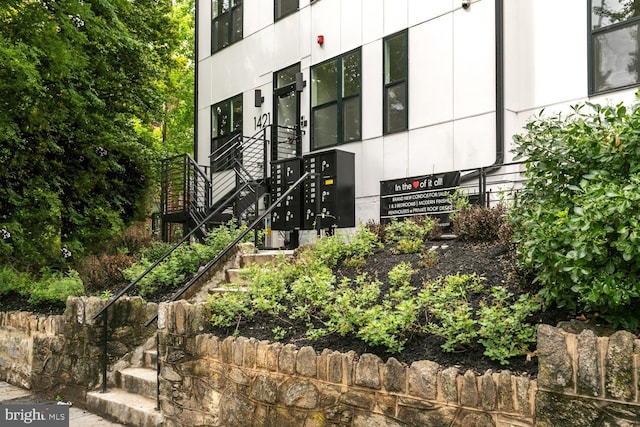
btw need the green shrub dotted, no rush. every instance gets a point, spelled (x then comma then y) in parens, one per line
(504, 331)
(408, 236)
(184, 261)
(449, 313)
(55, 287)
(480, 223)
(576, 221)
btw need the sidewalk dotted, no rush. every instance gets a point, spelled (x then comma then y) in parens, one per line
(12, 395)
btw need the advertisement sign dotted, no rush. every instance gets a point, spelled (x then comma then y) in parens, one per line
(421, 195)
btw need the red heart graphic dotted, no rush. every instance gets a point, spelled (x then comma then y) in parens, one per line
(415, 184)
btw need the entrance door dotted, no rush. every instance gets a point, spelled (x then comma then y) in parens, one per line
(286, 135)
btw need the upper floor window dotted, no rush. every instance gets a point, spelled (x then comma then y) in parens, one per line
(283, 8)
(615, 47)
(335, 101)
(226, 23)
(396, 112)
(226, 123)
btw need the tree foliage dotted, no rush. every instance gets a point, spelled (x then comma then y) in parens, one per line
(577, 221)
(79, 79)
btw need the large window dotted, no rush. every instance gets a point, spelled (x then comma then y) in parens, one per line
(226, 23)
(615, 45)
(283, 8)
(395, 83)
(335, 101)
(226, 123)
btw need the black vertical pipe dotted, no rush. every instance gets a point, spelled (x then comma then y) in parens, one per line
(195, 82)
(105, 316)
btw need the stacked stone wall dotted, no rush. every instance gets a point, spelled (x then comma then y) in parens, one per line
(237, 381)
(62, 355)
(587, 380)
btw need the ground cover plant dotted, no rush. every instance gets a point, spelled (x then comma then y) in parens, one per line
(423, 303)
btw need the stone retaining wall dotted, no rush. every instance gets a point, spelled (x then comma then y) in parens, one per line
(585, 380)
(61, 355)
(206, 381)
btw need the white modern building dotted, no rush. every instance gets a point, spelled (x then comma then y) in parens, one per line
(411, 87)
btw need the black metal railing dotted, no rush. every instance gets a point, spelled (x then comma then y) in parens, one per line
(490, 186)
(104, 311)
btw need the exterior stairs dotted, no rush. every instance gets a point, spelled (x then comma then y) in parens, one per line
(133, 400)
(232, 274)
(132, 397)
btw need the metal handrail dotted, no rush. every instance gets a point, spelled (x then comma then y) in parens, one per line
(104, 310)
(231, 245)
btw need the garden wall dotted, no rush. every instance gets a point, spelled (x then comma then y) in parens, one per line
(584, 379)
(61, 355)
(208, 381)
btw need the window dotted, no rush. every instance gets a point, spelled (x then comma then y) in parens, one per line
(615, 47)
(395, 83)
(226, 123)
(283, 8)
(335, 101)
(226, 23)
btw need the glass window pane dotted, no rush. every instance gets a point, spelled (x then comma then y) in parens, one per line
(236, 34)
(607, 12)
(395, 58)
(221, 119)
(351, 74)
(220, 33)
(236, 105)
(287, 76)
(396, 108)
(324, 80)
(615, 58)
(285, 7)
(218, 7)
(325, 126)
(351, 119)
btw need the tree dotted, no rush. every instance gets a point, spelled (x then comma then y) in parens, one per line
(78, 81)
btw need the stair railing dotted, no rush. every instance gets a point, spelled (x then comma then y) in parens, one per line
(104, 310)
(225, 251)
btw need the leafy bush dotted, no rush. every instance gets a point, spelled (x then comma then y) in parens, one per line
(408, 236)
(49, 287)
(504, 331)
(449, 313)
(479, 223)
(576, 222)
(56, 287)
(99, 273)
(184, 261)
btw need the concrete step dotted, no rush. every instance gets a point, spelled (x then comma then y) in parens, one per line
(233, 275)
(142, 381)
(126, 408)
(150, 359)
(228, 287)
(262, 257)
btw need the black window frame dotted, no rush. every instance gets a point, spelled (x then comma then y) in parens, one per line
(227, 17)
(592, 34)
(235, 128)
(395, 83)
(277, 17)
(340, 100)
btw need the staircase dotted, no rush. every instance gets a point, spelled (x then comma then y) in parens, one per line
(133, 400)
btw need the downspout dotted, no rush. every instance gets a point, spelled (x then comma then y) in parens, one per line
(195, 84)
(499, 66)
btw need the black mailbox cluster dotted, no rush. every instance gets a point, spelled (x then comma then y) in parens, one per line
(327, 198)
